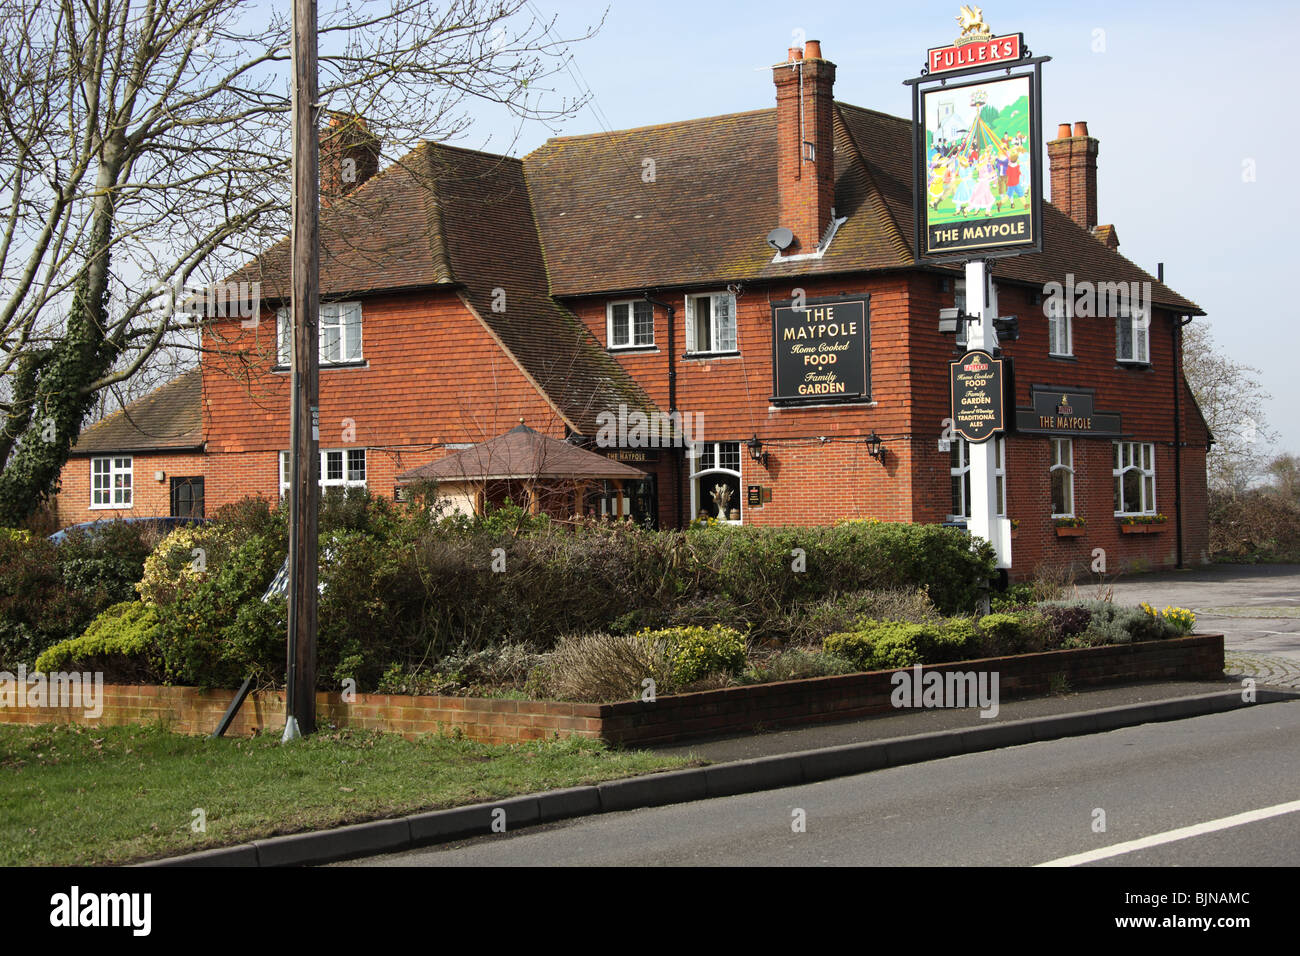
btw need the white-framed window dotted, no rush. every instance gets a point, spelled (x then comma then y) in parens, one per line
(630, 324)
(1134, 469)
(340, 334)
(959, 472)
(1060, 327)
(711, 323)
(1133, 336)
(110, 482)
(1062, 477)
(339, 468)
(716, 465)
(959, 300)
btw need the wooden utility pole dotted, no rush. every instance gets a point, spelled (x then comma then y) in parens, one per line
(300, 703)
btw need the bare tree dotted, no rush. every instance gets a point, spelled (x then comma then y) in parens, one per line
(1232, 400)
(148, 149)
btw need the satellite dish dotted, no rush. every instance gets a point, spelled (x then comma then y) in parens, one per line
(780, 238)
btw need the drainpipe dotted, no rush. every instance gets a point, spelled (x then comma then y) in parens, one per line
(1177, 328)
(672, 396)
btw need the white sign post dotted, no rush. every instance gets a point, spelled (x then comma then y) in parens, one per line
(984, 521)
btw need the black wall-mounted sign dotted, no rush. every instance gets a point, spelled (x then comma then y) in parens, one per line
(978, 385)
(1066, 411)
(754, 495)
(821, 352)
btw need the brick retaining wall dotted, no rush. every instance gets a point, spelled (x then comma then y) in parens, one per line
(670, 718)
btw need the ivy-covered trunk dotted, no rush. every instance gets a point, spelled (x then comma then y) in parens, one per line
(52, 392)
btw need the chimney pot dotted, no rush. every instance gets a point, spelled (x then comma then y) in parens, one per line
(1081, 128)
(812, 49)
(1062, 130)
(794, 54)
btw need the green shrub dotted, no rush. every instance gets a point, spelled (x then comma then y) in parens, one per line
(697, 652)
(122, 642)
(798, 663)
(881, 645)
(954, 640)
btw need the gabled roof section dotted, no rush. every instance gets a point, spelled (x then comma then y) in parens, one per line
(385, 235)
(522, 453)
(459, 218)
(167, 419)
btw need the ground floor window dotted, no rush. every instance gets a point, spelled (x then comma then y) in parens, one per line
(1062, 472)
(715, 481)
(187, 497)
(635, 500)
(345, 468)
(1133, 467)
(110, 482)
(959, 472)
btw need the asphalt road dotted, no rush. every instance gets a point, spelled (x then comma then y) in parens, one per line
(1256, 607)
(1020, 806)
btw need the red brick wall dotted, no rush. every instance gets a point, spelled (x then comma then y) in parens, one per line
(150, 498)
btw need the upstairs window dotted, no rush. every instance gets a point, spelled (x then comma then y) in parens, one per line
(711, 323)
(340, 334)
(1132, 337)
(630, 324)
(1060, 334)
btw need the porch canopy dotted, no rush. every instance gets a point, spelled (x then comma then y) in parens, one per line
(544, 467)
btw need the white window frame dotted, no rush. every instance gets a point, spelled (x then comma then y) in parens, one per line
(1061, 462)
(962, 471)
(347, 457)
(696, 457)
(959, 300)
(1137, 456)
(1137, 356)
(717, 343)
(112, 494)
(333, 315)
(632, 342)
(1066, 321)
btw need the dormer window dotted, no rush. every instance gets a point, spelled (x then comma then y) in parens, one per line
(630, 324)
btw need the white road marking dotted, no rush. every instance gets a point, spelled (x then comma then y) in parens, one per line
(1183, 833)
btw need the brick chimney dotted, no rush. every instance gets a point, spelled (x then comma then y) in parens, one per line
(349, 155)
(804, 143)
(1073, 159)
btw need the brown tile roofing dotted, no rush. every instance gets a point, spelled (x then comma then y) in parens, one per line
(713, 199)
(523, 454)
(168, 418)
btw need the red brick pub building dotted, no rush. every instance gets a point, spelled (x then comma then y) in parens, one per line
(616, 275)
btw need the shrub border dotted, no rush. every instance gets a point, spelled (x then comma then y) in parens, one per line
(668, 719)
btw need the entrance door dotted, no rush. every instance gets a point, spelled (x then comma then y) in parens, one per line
(187, 497)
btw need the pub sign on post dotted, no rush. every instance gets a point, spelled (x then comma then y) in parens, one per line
(978, 396)
(977, 147)
(820, 352)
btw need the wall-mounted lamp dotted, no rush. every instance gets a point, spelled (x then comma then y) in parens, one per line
(875, 446)
(756, 452)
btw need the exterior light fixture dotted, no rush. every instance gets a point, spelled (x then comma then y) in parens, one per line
(756, 451)
(875, 446)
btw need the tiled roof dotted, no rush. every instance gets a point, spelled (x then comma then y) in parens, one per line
(713, 199)
(168, 418)
(524, 454)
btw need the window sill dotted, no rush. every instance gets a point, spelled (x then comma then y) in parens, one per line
(688, 356)
(633, 349)
(111, 507)
(1063, 356)
(1126, 363)
(327, 366)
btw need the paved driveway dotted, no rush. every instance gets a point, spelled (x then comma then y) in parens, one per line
(1257, 607)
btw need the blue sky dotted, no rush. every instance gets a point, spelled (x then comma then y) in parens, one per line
(1184, 98)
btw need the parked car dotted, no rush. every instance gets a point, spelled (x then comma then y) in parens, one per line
(163, 524)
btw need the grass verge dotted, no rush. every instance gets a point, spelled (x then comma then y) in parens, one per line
(112, 795)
